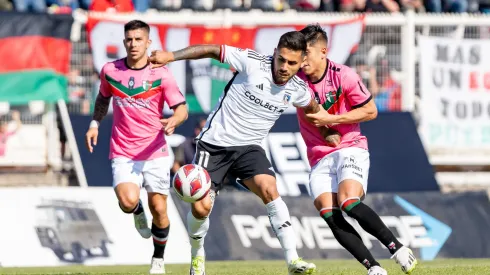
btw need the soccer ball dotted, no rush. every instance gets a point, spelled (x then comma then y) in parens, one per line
(191, 183)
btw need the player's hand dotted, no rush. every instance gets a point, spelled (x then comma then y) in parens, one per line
(169, 125)
(160, 58)
(322, 118)
(91, 138)
(331, 136)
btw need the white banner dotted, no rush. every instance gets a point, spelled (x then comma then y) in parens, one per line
(23, 146)
(203, 81)
(455, 94)
(71, 225)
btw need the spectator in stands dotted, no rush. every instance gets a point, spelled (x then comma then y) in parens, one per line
(415, 5)
(307, 5)
(141, 5)
(112, 5)
(235, 5)
(185, 152)
(67, 6)
(367, 74)
(388, 96)
(377, 5)
(30, 5)
(5, 132)
(438, 6)
(269, 5)
(5, 5)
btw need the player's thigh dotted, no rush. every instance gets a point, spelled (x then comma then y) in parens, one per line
(127, 180)
(255, 172)
(323, 179)
(156, 175)
(352, 172)
(216, 160)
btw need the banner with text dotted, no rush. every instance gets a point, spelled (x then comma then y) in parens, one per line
(286, 150)
(455, 92)
(71, 225)
(202, 81)
(240, 228)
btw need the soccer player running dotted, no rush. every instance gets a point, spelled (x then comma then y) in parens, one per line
(138, 150)
(261, 89)
(338, 179)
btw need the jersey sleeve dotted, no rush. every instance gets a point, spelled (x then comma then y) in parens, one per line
(356, 93)
(235, 57)
(304, 97)
(104, 88)
(171, 92)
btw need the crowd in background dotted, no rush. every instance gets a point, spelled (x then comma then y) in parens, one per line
(436, 6)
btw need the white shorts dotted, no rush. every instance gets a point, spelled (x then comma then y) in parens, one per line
(331, 170)
(153, 174)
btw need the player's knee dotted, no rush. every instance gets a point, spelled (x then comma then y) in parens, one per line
(159, 210)
(201, 209)
(128, 201)
(326, 200)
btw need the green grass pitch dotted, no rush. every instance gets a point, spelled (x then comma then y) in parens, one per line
(342, 267)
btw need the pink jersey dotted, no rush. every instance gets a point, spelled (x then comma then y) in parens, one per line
(138, 101)
(339, 90)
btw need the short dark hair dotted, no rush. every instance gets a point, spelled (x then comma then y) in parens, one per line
(135, 25)
(314, 33)
(293, 40)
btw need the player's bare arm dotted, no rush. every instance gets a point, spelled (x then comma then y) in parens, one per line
(100, 111)
(180, 115)
(364, 113)
(161, 58)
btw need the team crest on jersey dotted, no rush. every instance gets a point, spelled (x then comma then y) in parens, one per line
(131, 83)
(331, 96)
(147, 84)
(286, 99)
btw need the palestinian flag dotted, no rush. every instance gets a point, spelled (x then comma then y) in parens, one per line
(35, 51)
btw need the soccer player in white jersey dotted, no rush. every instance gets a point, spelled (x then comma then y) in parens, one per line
(339, 175)
(139, 152)
(260, 91)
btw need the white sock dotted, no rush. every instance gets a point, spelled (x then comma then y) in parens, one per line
(281, 225)
(197, 230)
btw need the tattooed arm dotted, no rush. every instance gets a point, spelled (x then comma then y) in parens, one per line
(161, 58)
(198, 52)
(100, 111)
(101, 107)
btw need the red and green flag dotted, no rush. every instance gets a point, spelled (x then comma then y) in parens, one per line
(35, 52)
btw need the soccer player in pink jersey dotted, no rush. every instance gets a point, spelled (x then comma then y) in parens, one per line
(338, 179)
(138, 150)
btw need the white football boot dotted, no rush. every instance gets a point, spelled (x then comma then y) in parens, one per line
(157, 266)
(141, 224)
(405, 258)
(377, 270)
(299, 266)
(197, 266)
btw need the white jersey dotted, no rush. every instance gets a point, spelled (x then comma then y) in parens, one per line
(251, 102)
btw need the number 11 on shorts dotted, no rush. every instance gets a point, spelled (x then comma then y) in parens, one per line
(203, 159)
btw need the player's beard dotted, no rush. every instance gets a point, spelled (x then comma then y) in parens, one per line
(282, 78)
